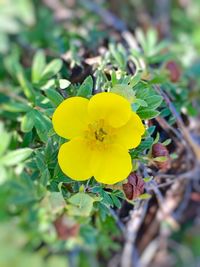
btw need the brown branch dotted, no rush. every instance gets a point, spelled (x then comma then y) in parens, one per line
(193, 145)
(133, 226)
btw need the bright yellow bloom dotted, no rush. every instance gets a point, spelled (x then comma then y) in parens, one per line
(101, 131)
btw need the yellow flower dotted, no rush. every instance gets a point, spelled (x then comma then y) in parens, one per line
(101, 131)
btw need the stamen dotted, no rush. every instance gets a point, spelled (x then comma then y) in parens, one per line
(99, 135)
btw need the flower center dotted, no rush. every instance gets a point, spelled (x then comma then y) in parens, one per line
(99, 135)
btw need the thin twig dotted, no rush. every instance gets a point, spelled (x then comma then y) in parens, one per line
(178, 214)
(190, 175)
(167, 127)
(194, 146)
(133, 226)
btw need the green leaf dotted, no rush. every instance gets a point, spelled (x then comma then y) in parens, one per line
(151, 40)
(145, 196)
(5, 137)
(147, 114)
(15, 157)
(173, 156)
(167, 142)
(135, 80)
(40, 161)
(114, 78)
(142, 91)
(9, 24)
(25, 190)
(85, 90)
(26, 12)
(63, 83)
(151, 130)
(141, 102)
(157, 138)
(4, 43)
(119, 54)
(141, 39)
(38, 66)
(116, 201)
(148, 179)
(42, 124)
(106, 198)
(57, 202)
(27, 122)
(4, 175)
(25, 85)
(124, 90)
(54, 96)
(154, 101)
(82, 205)
(160, 159)
(16, 107)
(146, 144)
(52, 69)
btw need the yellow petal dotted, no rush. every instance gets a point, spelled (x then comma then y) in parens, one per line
(112, 165)
(113, 108)
(130, 134)
(70, 117)
(74, 158)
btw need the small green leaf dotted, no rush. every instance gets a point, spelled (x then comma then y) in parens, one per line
(4, 175)
(124, 90)
(154, 101)
(85, 90)
(57, 202)
(38, 66)
(25, 85)
(173, 156)
(146, 144)
(42, 124)
(141, 102)
(27, 122)
(52, 69)
(15, 157)
(148, 114)
(157, 138)
(167, 142)
(16, 107)
(151, 129)
(160, 159)
(4, 43)
(82, 188)
(135, 80)
(106, 198)
(145, 196)
(63, 83)
(114, 78)
(5, 137)
(119, 55)
(81, 204)
(54, 96)
(135, 107)
(116, 201)
(147, 179)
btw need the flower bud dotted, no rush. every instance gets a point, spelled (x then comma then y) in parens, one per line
(159, 151)
(174, 71)
(134, 187)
